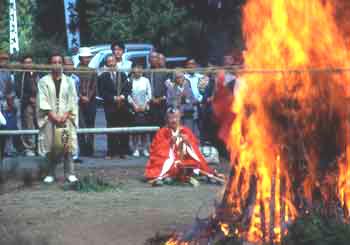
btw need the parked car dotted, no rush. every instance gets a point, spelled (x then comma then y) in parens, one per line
(141, 57)
(176, 61)
(129, 47)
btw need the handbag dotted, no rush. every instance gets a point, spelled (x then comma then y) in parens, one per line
(62, 141)
(62, 138)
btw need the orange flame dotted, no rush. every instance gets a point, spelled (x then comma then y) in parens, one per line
(174, 241)
(225, 228)
(298, 43)
(285, 35)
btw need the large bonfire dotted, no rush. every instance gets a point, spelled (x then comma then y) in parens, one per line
(289, 141)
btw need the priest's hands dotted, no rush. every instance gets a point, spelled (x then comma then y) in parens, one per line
(173, 140)
(58, 120)
(185, 138)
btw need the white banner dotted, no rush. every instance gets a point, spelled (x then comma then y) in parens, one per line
(14, 43)
(72, 25)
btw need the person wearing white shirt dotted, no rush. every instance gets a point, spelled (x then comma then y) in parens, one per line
(141, 94)
(118, 51)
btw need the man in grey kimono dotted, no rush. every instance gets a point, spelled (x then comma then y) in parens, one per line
(180, 95)
(56, 109)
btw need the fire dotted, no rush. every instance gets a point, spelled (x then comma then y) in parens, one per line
(289, 140)
(174, 241)
(225, 228)
(297, 100)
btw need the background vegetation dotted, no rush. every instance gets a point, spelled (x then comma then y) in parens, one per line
(175, 27)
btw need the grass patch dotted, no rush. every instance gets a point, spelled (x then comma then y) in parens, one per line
(92, 183)
(312, 229)
(315, 229)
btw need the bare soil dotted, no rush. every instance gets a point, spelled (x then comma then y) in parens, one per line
(129, 215)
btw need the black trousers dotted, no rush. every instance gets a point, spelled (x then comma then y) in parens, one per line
(157, 114)
(87, 116)
(117, 144)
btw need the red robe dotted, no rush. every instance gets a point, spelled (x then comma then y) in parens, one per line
(162, 154)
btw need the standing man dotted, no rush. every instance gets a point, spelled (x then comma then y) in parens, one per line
(28, 83)
(87, 103)
(8, 105)
(194, 78)
(114, 89)
(162, 60)
(5, 83)
(121, 64)
(68, 70)
(179, 95)
(56, 110)
(158, 87)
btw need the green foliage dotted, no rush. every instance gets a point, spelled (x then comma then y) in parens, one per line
(4, 23)
(91, 183)
(156, 21)
(25, 13)
(43, 47)
(317, 230)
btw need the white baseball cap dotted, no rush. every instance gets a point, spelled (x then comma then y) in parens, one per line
(84, 52)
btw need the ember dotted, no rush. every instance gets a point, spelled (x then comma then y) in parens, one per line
(289, 142)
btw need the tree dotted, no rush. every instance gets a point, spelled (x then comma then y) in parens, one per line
(25, 13)
(159, 22)
(25, 18)
(220, 26)
(4, 36)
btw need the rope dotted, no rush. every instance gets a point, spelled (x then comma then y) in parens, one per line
(236, 68)
(121, 130)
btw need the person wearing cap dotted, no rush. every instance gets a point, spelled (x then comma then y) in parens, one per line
(87, 102)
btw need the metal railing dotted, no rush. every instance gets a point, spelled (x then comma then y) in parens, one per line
(120, 130)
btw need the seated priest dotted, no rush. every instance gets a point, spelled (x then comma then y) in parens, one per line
(175, 155)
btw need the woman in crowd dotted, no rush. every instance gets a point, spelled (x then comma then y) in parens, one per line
(139, 99)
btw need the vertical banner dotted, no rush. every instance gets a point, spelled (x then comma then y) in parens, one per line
(72, 25)
(14, 43)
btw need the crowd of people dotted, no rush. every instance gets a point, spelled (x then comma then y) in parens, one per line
(131, 97)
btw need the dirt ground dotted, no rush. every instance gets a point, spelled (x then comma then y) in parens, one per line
(128, 215)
